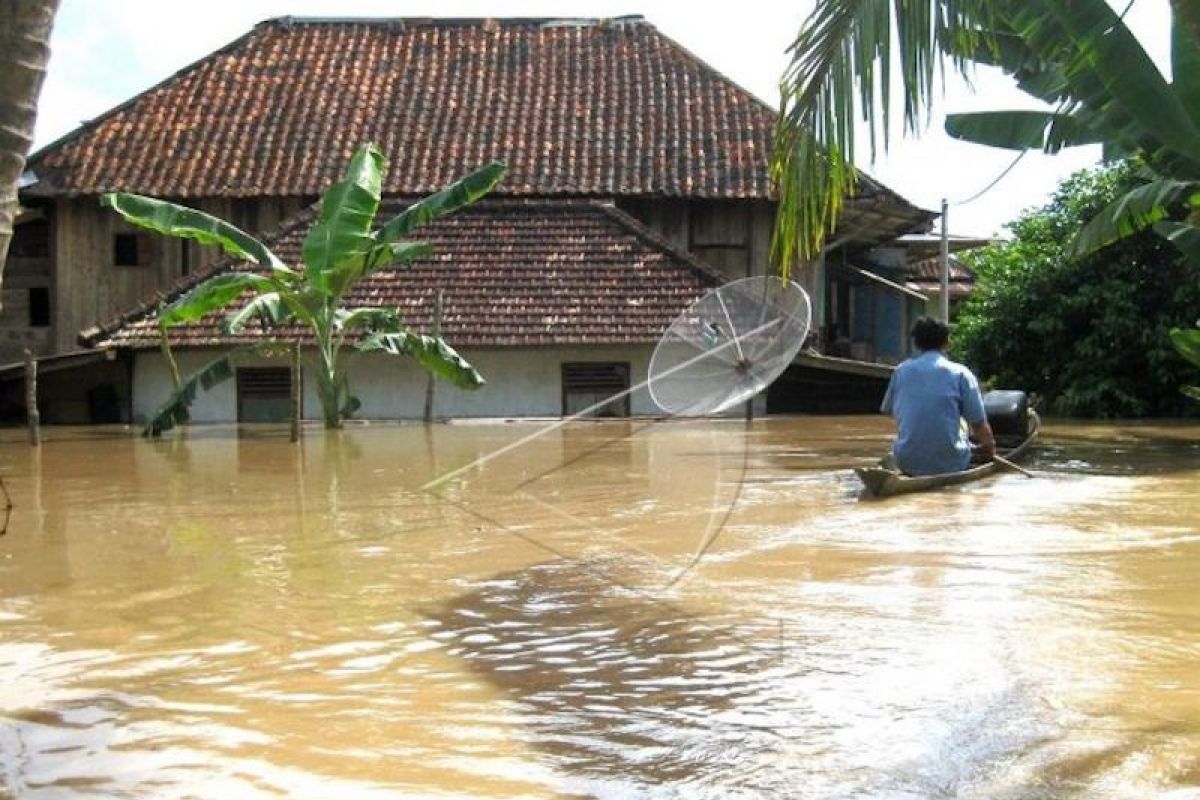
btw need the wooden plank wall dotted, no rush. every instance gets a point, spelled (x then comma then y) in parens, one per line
(89, 288)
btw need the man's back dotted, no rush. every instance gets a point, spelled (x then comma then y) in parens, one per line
(928, 395)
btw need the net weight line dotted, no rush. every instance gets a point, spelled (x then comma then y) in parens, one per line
(736, 340)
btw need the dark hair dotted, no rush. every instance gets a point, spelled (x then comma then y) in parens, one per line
(930, 334)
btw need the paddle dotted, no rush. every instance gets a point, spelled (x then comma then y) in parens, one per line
(1011, 465)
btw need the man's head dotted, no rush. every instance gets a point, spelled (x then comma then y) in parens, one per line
(930, 334)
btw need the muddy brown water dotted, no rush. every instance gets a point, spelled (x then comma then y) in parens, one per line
(613, 610)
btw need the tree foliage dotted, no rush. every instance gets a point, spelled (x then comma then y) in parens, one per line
(1091, 334)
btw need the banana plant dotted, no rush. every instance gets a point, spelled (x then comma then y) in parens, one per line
(343, 247)
(1077, 57)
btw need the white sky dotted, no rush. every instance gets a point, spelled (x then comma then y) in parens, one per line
(105, 51)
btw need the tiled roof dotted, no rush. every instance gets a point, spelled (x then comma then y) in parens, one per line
(512, 273)
(926, 275)
(576, 107)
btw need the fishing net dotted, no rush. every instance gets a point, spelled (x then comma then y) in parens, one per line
(728, 346)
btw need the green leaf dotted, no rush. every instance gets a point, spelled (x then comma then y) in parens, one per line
(431, 352)
(1192, 392)
(1021, 130)
(1187, 342)
(188, 223)
(1184, 236)
(386, 254)
(337, 247)
(1108, 72)
(268, 307)
(214, 293)
(459, 194)
(839, 71)
(380, 318)
(174, 410)
(1132, 212)
(1185, 66)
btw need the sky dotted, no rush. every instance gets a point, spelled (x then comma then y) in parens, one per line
(106, 51)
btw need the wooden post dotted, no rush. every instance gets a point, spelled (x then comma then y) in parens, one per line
(31, 409)
(297, 390)
(437, 331)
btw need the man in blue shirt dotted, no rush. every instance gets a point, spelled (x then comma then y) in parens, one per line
(927, 396)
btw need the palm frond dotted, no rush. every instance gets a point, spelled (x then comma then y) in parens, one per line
(840, 67)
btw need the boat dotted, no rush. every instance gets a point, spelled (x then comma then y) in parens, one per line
(886, 480)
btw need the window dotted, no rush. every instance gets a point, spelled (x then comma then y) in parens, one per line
(587, 383)
(39, 307)
(264, 394)
(126, 250)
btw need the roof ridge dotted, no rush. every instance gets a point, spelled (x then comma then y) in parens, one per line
(623, 19)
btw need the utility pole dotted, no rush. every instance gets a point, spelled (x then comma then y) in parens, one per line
(944, 298)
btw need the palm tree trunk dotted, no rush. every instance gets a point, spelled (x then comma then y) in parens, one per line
(24, 52)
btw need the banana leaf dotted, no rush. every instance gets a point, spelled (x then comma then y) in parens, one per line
(1184, 236)
(214, 293)
(431, 352)
(1187, 342)
(1185, 67)
(269, 307)
(388, 253)
(341, 241)
(1137, 209)
(457, 195)
(1021, 130)
(1109, 71)
(174, 409)
(188, 223)
(348, 319)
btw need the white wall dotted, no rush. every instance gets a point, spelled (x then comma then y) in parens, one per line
(520, 382)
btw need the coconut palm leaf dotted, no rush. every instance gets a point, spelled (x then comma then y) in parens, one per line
(844, 54)
(431, 352)
(211, 295)
(188, 223)
(341, 241)
(1134, 211)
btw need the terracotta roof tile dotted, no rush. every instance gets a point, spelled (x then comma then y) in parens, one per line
(582, 107)
(512, 273)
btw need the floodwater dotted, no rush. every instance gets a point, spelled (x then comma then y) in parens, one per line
(612, 610)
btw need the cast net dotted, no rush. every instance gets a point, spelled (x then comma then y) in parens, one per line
(728, 346)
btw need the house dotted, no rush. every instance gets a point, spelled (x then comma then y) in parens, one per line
(606, 112)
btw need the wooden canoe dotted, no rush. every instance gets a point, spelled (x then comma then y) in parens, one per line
(885, 480)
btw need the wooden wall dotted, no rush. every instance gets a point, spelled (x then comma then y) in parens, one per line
(732, 236)
(27, 268)
(87, 287)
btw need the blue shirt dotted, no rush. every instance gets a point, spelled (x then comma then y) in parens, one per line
(927, 396)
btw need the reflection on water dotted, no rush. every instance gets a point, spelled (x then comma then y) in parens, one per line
(612, 610)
